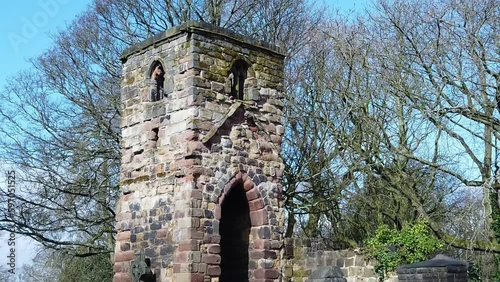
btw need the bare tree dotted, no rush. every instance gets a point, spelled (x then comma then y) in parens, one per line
(60, 122)
(7, 276)
(376, 136)
(373, 105)
(346, 127)
(60, 119)
(46, 267)
(448, 54)
(51, 265)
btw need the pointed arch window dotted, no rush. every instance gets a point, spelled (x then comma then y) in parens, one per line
(157, 75)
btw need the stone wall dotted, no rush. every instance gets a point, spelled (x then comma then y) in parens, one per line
(183, 155)
(306, 255)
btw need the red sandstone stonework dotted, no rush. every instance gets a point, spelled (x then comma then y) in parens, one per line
(211, 258)
(259, 217)
(124, 235)
(124, 256)
(213, 270)
(214, 249)
(184, 154)
(266, 273)
(256, 204)
(253, 194)
(122, 277)
(188, 245)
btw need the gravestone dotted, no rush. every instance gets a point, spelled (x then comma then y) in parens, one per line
(327, 274)
(440, 268)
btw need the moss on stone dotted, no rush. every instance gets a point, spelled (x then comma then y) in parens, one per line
(300, 272)
(213, 77)
(258, 67)
(127, 112)
(230, 52)
(216, 54)
(136, 180)
(203, 65)
(218, 70)
(130, 80)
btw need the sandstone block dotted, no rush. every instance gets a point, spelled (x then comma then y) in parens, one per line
(211, 258)
(253, 194)
(124, 256)
(122, 277)
(259, 217)
(213, 270)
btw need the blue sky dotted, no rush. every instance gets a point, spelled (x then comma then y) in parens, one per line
(25, 29)
(348, 5)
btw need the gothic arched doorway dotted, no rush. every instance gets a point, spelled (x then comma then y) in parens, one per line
(235, 232)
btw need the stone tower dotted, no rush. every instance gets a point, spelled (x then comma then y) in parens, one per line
(201, 168)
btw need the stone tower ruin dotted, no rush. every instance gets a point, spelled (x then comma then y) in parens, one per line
(201, 168)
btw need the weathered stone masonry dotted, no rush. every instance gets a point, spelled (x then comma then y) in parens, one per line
(201, 166)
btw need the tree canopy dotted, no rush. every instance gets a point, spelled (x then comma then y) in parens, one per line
(392, 117)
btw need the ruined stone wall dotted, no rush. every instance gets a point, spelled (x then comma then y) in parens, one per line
(306, 255)
(183, 155)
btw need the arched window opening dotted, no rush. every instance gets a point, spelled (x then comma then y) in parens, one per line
(235, 236)
(158, 77)
(237, 76)
(154, 136)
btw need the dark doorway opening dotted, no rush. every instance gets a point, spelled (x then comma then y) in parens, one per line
(235, 234)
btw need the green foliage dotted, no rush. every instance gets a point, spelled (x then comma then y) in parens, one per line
(87, 269)
(391, 247)
(474, 274)
(496, 274)
(495, 215)
(495, 226)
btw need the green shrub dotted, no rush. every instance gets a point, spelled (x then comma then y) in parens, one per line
(392, 248)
